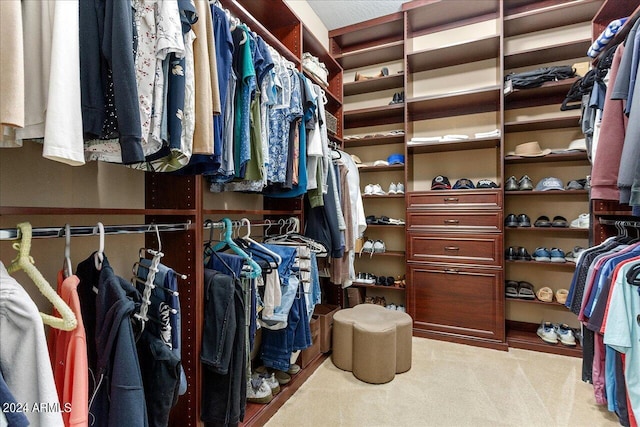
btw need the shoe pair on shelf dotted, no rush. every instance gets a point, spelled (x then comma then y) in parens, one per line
(396, 188)
(521, 290)
(517, 253)
(384, 71)
(384, 220)
(398, 98)
(376, 300)
(374, 190)
(549, 255)
(581, 222)
(522, 184)
(399, 307)
(373, 247)
(521, 220)
(558, 221)
(552, 333)
(545, 294)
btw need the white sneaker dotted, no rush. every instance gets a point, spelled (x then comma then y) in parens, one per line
(377, 190)
(367, 248)
(379, 247)
(400, 188)
(392, 189)
(368, 190)
(258, 391)
(547, 332)
(581, 222)
(401, 308)
(270, 379)
(565, 334)
(391, 306)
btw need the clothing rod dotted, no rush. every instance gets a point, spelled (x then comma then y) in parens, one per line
(635, 224)
(262, 223)
(92, 230)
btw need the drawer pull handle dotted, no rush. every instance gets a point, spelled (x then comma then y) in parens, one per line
(450, 199)
(451, 248)
(451, 271)
(451, 221)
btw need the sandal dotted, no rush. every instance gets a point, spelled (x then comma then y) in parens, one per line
(542, 221)
(545, 294)
(511, 289)
(559, 221)
(525, 291)
(561, 295)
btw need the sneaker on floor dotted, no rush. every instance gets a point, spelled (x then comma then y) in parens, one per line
(293, 369)
(581, 222)
(547, 332)
(258, 391)
(392, 189)
(565, 334)
(270, 379)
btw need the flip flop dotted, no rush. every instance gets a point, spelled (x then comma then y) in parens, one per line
(559, 221)
(511, 289)
(542, 221)
(525, 291)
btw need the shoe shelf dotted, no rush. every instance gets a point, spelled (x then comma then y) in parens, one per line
(521, 21)
(369, 141)
(382, 115)
(385, 196)
(569, 121)
(549, 230)
(540, 264)
(376, 84)
(548, 93)
(454, 54)
(553, 304)
(442, 146)
(371, 55)
(385, 253)
(554, 157)
(552, 53)
(380, 168)
(451, 104)
(534, 193)
(372, 286)
(523, 335)
(399, 226)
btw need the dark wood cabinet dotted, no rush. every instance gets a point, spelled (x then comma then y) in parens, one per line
(478, 249)
(462, 221)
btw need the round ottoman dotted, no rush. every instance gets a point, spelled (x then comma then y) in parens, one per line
(372, 342)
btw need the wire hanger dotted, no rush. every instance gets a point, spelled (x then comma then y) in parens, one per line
(67, 267)
(25, 262)
(99, 256)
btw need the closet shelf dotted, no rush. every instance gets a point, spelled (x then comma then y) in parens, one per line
(468, 144)
(382, 140)
(454, 54)
(554, 304)
(386, 196)
(551, 193)
(387, 253)
(562, 230)
(465, 102)
(545, 265)
(523, 335)
(392, 81)
(543, 124)
(558, 52)
(380, 169)
(369, 286)
(430, 16)
(374, 32)
(28, 210)
(251, 212)
(383, 115)
(556, 15)
(548, 93)
(393, 51)
(557, 157)
(399, 227)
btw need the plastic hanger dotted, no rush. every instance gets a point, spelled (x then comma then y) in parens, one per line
(25, 262)
(99, 256)
(67, 267)
(256, 271)
(247, 237)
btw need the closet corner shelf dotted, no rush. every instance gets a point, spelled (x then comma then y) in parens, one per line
(551, 193)
(548, 93)
(370, 286)
(29, 210)
(523, 335)
(382, 140)
(382, 115)
(545, 265)
(373, 32)
(386, 253)
(568, 121)
(393, 81)
(380, 169)
(388, 52)
(460, 103)
(467, 144)
(554, 157)
(454, 54)
(551, 53)
(552, 16)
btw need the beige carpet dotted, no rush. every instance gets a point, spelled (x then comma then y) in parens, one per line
(452, 385)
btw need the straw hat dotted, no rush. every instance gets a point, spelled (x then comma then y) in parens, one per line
(529, 149)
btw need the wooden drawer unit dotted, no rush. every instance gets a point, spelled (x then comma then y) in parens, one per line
(477, 249)
(478, 221)
(457, 301)
(447, 200)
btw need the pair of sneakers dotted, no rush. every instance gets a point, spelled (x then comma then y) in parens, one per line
(546, 255)
(552, 333)
(373, 247)
(396, 188)
(374, 190)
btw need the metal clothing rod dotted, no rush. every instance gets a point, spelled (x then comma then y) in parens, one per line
(90, 230)
(263, 223)
(635, 224)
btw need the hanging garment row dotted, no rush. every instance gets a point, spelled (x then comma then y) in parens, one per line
(274, 300)
(605, 295)
(113, 352)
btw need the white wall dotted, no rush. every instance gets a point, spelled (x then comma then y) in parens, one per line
(311, 20)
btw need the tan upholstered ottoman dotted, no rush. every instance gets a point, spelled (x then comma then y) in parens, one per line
(372, 342)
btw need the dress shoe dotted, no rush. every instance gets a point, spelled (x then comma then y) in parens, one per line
(511, 184)
(523, 255)
(396, 99)
(524, 221)
(525, 183)
(511, 254)
(511, 221)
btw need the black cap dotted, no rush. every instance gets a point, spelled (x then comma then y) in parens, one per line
(440, 182)
(463, 184)
(486, 183)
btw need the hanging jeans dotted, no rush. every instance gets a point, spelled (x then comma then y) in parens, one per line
(224, 386)
(289, 284)
(278, 345)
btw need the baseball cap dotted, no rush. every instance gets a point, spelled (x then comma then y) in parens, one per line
(440, 182)
(396, 159)
(550, 183)
(486, 183)
(463, 184)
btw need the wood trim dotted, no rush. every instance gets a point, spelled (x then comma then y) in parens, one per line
(34, 210)
(580, 156)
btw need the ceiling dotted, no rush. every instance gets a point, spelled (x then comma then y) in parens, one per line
(339, 13)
